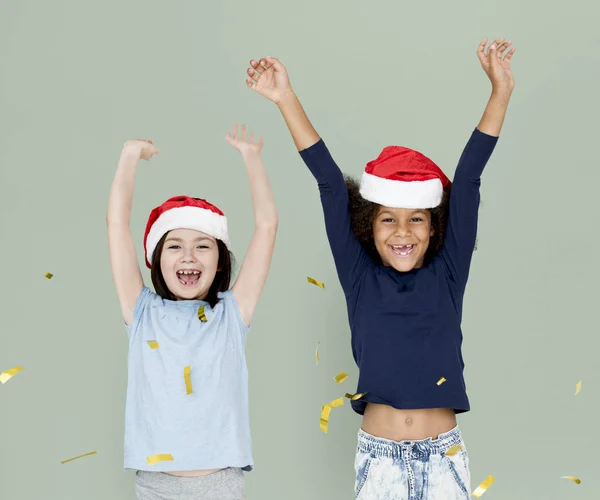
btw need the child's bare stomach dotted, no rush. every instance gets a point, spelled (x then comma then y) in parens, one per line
(193, 473)
(411, 425)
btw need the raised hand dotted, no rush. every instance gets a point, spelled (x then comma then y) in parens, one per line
(140, 148)
(269, 78)
(496, 63)
(241, 143)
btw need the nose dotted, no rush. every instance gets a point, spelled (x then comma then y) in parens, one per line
(403, 230)
(189, 255)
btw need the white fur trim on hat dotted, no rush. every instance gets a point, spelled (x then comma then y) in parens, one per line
(398, 194)
(200, 219)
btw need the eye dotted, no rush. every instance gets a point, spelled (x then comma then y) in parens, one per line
(416, 219)
(174, 246)
(388, 219)
(203, 246)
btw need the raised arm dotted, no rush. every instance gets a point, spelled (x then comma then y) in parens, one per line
(123, 259)
(270, 79)
(461, 230)
(255, 268)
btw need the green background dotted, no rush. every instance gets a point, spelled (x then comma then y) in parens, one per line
(79, 78)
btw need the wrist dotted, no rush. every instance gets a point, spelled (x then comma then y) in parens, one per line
(501, 92)
(129, 156)
(250, 154)
(287, 97)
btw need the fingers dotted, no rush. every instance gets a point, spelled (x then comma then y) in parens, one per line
(253, 77)
(481, 47)
(510, 54)
(243, 138)
(274, 62)
(481, 51)
(502, 48)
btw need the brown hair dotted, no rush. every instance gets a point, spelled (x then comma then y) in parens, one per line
(363, 212)
(219, 284)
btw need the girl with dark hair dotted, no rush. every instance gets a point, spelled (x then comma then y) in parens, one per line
(187, 431)
(402, 241)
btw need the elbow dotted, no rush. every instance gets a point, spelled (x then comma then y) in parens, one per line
(270, 224)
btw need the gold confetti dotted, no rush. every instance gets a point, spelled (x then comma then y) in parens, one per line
(340, 377)
(153, 344)
(441, 381)
(188, 381)
(154, 459)
(576, 480)
(8, 374)
(356, 396)
(326, 410)
(317, 353)
(49, 275)
(485, 484)
(80, 456)
(315, 282)
(453, 450)
(578, 388)
(336, 402)
(201, 315)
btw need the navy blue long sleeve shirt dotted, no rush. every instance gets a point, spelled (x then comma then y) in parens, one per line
(406, 326)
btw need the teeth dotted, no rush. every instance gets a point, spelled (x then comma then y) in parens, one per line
(185, 271)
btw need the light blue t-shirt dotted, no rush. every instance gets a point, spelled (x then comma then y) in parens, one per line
(209, 428)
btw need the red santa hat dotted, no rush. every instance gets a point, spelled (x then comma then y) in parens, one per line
(184, 212)
(403, 178)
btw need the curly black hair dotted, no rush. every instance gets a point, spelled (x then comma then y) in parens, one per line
(363, 213)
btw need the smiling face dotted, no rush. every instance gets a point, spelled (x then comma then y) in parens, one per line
(401, 236)
(189, 262)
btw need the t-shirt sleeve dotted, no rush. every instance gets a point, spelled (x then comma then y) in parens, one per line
(233, 313)
(461, 227)
(349, 256)
(143, 301)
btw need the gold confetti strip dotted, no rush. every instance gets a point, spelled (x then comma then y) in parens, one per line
(340, 377)
(201, 315)
(326, 410)
(153, 344)
(8, 374)
(453, 450)
(576, 480)
(49, 275)
(485, 484)
(154, 459)
(80, 456)
(188, 381)
(315, 282)
(441, 381)
(317, 353)
(336, 402)
(356, 396)
(578, 388)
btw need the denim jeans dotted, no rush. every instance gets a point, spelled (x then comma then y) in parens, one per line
(412, 470)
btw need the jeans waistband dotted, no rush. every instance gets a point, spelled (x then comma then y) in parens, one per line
(382, 447)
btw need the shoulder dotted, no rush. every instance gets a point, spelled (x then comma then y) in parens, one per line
(228, 302)
(146, 299)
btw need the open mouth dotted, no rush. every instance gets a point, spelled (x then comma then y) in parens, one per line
(188, 277)
(403, 250)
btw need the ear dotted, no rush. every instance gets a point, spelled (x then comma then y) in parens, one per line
(432, 232)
